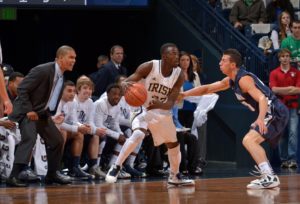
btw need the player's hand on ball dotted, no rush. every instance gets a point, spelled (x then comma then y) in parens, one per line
(126, 84)
(135, 94)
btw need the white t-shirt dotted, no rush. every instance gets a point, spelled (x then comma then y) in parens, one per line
(107, 116)
(85, 113)
(69, 110)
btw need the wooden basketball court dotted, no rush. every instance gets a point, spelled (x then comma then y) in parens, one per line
(221, 190)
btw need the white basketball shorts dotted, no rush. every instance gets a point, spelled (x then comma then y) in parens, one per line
(160, 125)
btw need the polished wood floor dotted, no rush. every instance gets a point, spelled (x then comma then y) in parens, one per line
(214, 190)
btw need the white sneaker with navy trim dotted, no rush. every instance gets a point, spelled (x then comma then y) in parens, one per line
(176, 180)
(112, 174)
(266, 181)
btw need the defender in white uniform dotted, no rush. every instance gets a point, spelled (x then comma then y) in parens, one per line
(163, 79)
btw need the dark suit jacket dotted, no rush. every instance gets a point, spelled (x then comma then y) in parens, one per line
(34, 91)
(105, 76)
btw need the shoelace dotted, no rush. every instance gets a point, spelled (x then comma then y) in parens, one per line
(257, 172)
(181, 176)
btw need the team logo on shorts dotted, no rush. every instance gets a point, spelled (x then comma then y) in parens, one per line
(42, 140)
(5, 147)
(44, 158)
(2, 137)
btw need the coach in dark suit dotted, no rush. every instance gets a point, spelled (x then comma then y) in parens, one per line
(38, 96)
(109, 72)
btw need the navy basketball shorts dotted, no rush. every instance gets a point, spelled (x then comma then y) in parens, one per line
(276, 120)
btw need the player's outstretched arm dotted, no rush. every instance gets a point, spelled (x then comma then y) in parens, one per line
(207, 89)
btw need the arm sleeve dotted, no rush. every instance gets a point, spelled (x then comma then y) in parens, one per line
(272, 80)
(274, 38)
(28, 85)
(263, 13)
(70, 123)
(233, 16)
(125, 111)
(90, 117)
(196, 80)
(117, 121)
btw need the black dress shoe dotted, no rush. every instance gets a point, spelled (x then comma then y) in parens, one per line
(15, 182)
(58, 178)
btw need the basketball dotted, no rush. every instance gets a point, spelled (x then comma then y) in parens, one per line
(136, 95)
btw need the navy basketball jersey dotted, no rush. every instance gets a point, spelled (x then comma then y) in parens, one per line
(245, 98)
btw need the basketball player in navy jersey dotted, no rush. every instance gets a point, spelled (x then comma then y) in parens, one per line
(250, 91)
(163, 80)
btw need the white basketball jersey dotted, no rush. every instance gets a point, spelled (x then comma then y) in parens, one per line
(159, 87)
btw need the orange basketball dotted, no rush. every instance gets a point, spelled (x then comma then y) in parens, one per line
(136, 95)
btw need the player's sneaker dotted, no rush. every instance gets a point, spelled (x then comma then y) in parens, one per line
(97, 172)
(176, 180)
(28, 175)
(285, 164)
(134, 172)
(112, 174)
(266, 181)
(293, 164)
(123, 174)
(77, 173)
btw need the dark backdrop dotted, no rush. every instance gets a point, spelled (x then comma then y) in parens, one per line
(36, 34)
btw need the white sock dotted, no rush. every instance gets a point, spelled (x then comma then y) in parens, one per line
(129, 146)
(113, 159)
(132, 157)
(265, 167)
(174, 156)
(101, 147)
(130, 160)
(118, 147)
